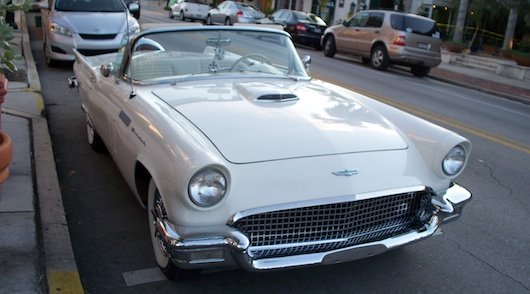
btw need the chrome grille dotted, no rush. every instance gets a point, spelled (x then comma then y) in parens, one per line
(92, 52)
(332, 226)
(98, 36)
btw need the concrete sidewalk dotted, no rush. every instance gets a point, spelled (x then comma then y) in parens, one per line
(35, 249)
(485, 81)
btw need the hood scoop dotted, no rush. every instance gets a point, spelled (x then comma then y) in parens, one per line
(265, 93)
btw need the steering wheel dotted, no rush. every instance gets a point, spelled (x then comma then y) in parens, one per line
(251, 56)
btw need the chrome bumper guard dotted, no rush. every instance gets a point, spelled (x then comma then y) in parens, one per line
(228, 247)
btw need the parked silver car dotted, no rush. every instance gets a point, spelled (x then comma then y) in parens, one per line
(230, 12)
(382, 38)
(91, 26)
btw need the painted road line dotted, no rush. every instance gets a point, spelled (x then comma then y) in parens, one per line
(143, 276)
(431, 116)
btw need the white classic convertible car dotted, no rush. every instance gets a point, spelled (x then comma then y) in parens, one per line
(242, 159)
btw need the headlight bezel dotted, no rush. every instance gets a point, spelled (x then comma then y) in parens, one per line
(454, 161)
(60, 29)
(214, 180)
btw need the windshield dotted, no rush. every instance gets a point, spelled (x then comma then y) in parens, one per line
(90, 5)
(170, 55)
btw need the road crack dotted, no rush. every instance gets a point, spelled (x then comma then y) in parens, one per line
(489, 265)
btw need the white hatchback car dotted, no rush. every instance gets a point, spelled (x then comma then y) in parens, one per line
(91, 26)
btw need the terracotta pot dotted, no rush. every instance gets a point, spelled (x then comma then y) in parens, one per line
(454, 47)
(3, 93)
(521, 60)
(6, 155)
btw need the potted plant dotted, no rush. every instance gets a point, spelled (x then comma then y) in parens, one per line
(521, 58)
(454, 46)
(7, 58)
(521, 54)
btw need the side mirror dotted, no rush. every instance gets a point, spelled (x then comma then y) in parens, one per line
(106, 69)
(134, 7)
(306, 60)
(72, 82)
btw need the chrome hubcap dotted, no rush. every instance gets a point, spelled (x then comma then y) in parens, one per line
(158, 213)
(377, 57)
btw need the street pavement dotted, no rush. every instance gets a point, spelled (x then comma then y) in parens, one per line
(36, 255)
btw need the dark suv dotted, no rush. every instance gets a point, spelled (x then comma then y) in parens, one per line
(382, 38)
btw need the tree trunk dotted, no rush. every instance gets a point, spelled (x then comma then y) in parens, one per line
(510, 29)
(460, 21)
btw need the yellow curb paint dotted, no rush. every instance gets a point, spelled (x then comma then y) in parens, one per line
(40, 104)
(65, 283)
(431, 116)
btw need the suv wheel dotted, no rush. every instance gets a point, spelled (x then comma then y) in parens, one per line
(329, 47)
(420, 70)
(379, 58)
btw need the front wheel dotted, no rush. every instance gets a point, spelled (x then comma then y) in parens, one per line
(420, 70)
(329, 47)
(379, 58)
(228, 22)
(94, 140)
(156, 210)
(50, 62)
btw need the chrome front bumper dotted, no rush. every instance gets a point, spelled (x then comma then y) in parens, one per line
(227, 247)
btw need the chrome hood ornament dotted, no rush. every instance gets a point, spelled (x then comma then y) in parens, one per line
(346, 172)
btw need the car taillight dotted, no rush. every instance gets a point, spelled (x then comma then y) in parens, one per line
(399, 40)
(239, 13)
(300, 27)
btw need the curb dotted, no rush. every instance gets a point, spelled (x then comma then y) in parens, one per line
(59, 262)
(487, 91)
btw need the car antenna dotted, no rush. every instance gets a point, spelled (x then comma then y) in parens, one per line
(133, 93)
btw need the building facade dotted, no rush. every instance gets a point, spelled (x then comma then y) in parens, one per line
(335, 11)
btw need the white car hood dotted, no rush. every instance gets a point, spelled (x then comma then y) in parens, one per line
(247, 123)
(93, 22)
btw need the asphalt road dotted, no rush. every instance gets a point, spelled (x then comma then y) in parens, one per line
(485, 251)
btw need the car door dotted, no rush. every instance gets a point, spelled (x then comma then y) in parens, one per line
(347, 36)
(121, 131)
(367, 34)
(217, 14)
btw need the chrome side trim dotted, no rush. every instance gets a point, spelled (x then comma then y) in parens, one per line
(233, 239)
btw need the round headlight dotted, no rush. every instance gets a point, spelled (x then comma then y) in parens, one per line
(207, 187)
(454, 161)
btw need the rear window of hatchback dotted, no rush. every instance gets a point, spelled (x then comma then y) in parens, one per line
(414, 24)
